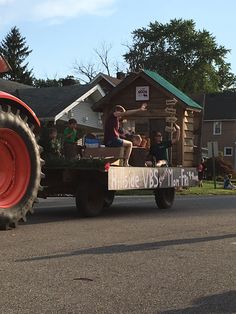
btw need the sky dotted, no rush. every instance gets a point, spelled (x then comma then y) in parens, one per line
(62, 33)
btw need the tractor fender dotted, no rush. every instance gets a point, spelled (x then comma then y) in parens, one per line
(19, 103)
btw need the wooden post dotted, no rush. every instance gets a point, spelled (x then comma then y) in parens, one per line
(170, 103)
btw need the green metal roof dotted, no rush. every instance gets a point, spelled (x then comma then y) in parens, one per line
(172, 89)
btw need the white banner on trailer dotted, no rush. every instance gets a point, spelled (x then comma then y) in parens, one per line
(133, 178)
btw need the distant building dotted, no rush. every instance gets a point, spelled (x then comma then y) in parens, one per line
(219, 124)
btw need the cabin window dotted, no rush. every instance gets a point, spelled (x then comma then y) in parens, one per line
(217, 128)
(228, 151)
(141, 128)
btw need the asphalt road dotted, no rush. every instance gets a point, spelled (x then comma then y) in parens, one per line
(132, 259)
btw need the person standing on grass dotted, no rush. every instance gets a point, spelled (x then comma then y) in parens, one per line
(201, 172)
(111, 131)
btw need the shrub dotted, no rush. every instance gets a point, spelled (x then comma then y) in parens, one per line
(222, 167)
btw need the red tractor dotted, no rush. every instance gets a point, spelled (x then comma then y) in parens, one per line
(20, 162)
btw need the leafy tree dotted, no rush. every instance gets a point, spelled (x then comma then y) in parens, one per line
(188, 58)
(46, 83)
(14, 48)
(68, 80)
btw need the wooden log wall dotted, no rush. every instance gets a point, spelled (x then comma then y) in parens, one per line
(188, 138)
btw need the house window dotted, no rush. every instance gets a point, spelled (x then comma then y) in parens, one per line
(228, 151)
(217, 128)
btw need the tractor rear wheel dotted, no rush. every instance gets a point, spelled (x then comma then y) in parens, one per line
(20, 168)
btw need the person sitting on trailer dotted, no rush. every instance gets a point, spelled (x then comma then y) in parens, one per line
(136, 140)
(50, 142)
(144, 142)
(158, 155)
(111, 131)
(70, 140)
(54, 145)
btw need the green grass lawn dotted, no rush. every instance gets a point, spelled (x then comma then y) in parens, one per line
(207, 189)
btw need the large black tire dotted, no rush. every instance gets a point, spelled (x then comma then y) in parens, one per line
(89, 199)
(164, 197)
(17, 139)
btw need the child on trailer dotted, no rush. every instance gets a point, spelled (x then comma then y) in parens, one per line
(158, 150)
(112, 137)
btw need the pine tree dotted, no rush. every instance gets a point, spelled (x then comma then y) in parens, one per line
(15, 50)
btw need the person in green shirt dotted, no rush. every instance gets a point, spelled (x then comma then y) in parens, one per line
(70, 137)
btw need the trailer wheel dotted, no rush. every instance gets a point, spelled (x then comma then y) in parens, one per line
(20, 168)
(89, 199)
(164, 197)
(108, 198)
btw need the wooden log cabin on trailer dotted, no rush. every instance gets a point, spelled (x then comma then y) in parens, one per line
(166, 105)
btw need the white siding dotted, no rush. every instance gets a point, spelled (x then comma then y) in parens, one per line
(85, 116)
(83, 112)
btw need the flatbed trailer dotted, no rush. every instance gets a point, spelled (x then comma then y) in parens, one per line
(94, 187)
(92, 182)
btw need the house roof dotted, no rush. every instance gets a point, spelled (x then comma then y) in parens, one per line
(220, 106)
(48, 102)
(157, 79)
(172, 89)
(11, 86)
(105, 100)
(110, 79)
